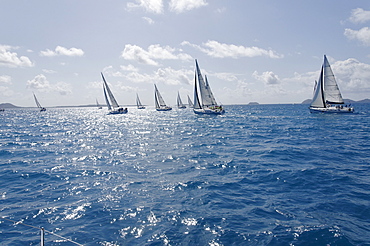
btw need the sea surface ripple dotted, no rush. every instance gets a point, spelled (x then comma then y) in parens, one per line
(257, 175)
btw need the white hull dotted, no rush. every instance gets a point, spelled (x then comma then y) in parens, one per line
(332, 109)
(165, 108)
(119, 111)
(216, 110)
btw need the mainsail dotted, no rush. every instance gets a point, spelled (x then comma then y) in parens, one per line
(138, 102)
(205, 90)
(159, 102)
(113, 103)
(179, 101)
(331, 90)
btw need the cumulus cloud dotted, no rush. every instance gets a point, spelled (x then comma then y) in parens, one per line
(154, 52)
(352, 75)
(180, 6)
(11, 59)
(5, 79)
(268, 77)
(40, 83)
(359, 16)
(362, 35)
(61, 51)
(152, 6)
(221, 50)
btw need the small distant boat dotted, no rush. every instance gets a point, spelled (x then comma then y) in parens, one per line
(138, 102)
(38, 104)
(98, 105)
(160, 105)
(190, 103)
(327, 97)
(204, 101)
(179, 101)
(112, 104)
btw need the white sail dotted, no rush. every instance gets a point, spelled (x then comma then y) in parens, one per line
(138, 102)
(106, 99)
(331, 90)
(159, 102)
(190, 103)
(205, 91)
(318, 97)
(113, 101)
(213, 100)
(179, 101)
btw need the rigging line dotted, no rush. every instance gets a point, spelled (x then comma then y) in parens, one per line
(21, 223)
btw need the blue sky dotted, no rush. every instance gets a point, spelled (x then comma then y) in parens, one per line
(262, 51)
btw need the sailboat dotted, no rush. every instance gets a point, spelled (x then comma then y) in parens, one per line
(160, 105)
(98, 105)
(179, 101)
(112, 104)
(190, 103)
(38, 104)
(327, 97)
(204, 101)
(138, 102)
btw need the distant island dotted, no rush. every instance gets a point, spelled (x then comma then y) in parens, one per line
(253, 103)
(8, 105)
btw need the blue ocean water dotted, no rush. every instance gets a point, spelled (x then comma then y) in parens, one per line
(257, 175)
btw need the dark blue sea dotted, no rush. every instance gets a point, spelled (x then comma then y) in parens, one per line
(257, 175)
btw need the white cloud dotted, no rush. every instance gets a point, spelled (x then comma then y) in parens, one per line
(362, 35)
(220, 50)
(154, 52)
(268, 77)
(149, 20)
(6, 92)
(352, 75)
(61, 51)
(180, 6)
(153, 6)
(39, 83)
(11, 59)
(359, 16)
(5, 79)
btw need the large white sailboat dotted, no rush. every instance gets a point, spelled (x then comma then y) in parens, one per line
(179, 101)
(204, 101)
(160, 105)
(138, 102)
(38, 104)
(327, 97)
(112, 104)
